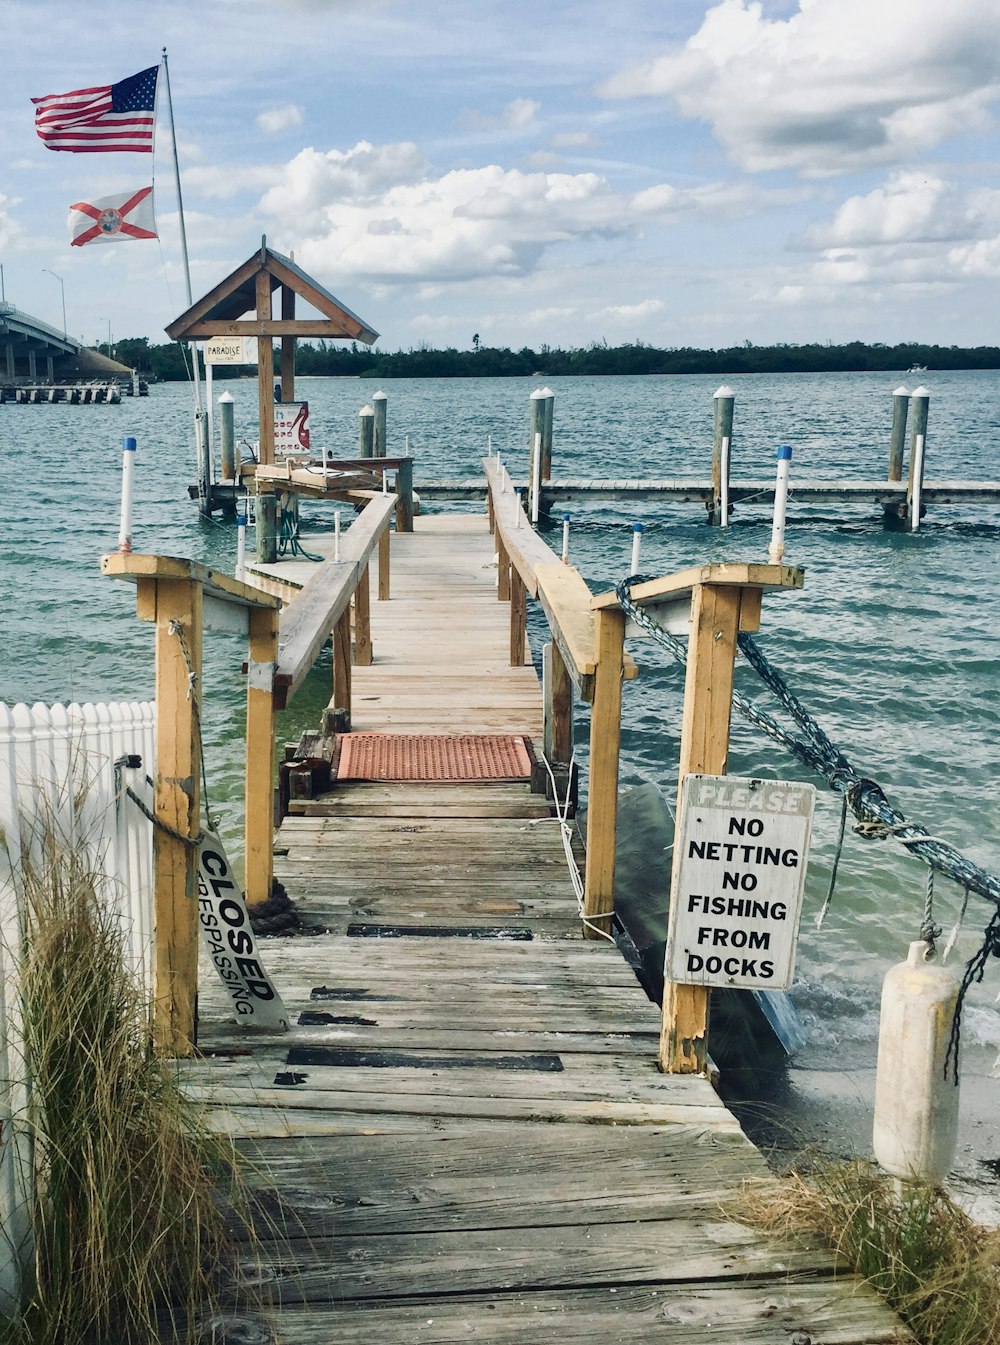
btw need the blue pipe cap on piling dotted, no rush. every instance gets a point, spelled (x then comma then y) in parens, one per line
(637, 527)
(128, 442)
(565, 518)
(784, 451)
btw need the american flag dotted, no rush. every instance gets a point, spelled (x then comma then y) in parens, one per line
(111, 117)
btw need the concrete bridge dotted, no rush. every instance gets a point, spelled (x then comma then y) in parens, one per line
(30, 348)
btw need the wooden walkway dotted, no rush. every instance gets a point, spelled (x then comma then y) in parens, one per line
(465, 1131)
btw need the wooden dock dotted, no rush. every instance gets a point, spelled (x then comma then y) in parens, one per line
(465, 1135)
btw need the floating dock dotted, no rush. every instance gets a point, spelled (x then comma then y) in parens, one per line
(465, 1134)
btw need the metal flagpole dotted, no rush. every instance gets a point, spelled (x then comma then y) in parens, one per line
(204, 484)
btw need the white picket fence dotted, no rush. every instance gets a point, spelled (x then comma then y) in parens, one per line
(63, 770)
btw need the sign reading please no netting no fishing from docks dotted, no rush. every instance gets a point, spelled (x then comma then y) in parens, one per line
(740, 854)
(231, 942)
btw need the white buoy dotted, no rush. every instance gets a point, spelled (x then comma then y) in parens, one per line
(777, 548)
(565, 545)
(241, 536)
(916, 1104)
(128, 493)
(636, 547)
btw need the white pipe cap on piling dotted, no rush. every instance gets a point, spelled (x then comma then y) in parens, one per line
(536, 395)
(547, 392)
(380, 396)
(901, 391)
(724, 391)
(367, 411)
(921, 391)
(225, 399)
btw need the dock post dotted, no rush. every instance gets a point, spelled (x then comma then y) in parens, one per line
(362, 621)
(503, 570)
(179, 606)
(518, 618)
(380, 403)
(602, 789)
(404, 491)
(557, 716)
(548, 415)
(920, 401)
(259, 818)
(536, 427)
(366, 435)
(722, 439)
(342, 674)
(266, 514)
(704, 749)
(897, 439)
(227, 435)
(383, 567)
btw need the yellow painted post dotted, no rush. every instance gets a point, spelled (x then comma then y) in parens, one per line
(383, 567)
(179, 625)
(259, 821)
(704, 750)
(362, 622)
(602, 790)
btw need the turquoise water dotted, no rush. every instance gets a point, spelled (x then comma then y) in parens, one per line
(894, 642)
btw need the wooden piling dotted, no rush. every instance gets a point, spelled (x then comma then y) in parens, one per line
(227, 436)
(362, 621)
(920, 402)
(404, 492)
(536, 426)
(341, 703)
(380, 403)
(548, 416)
(267, 527)
(383, 567)
(722, 439)
(366, 432)
(518, 618)
(897, 438)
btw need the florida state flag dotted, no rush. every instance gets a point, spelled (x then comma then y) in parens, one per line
(113, 219)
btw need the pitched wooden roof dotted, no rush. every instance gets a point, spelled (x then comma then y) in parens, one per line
(220, 312)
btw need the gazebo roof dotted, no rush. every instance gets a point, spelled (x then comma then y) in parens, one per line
(219, 312)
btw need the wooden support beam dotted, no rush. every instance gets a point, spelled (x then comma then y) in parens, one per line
(704, 750)
(176, 805)
(259, 819)
(518, 619)
(383, 567)
(287, 346)
(342, 673)
(503, 570)
(558, 709)
(602, 790)
(265, 375)
(404, 495)
(362, 621)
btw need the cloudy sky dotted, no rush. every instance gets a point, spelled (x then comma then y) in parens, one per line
(558, 171)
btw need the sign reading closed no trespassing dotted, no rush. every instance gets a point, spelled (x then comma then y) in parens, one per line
(739, 871)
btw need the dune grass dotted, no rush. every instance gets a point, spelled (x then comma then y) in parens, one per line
(130, 1189)
(937, 1268)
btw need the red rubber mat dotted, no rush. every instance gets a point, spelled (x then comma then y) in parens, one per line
(411, 756)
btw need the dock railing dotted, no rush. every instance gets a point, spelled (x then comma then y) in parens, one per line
(711, 604)
(184, 599)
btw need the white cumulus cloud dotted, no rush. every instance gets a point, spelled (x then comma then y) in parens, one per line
(275, 119)
(836, 86)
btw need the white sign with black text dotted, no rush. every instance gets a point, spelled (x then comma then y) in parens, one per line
(740, 852)
(231, 942)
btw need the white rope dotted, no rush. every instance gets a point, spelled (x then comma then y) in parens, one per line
(566, 831)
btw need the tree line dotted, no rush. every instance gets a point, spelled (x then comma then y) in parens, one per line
(170, 361)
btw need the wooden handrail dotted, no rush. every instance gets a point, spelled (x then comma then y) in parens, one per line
(524, 548)
(306, 623)
(568, 606)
